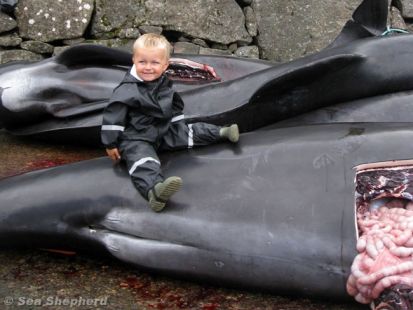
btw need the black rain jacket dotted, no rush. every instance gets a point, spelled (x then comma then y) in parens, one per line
(140, 110)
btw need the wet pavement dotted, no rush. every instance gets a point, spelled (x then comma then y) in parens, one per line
(38, 279)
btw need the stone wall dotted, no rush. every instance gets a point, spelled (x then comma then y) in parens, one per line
(276, 30)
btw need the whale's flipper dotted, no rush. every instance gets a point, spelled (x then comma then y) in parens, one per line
(369, 19)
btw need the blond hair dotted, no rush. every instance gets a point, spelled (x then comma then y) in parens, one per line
(150, 40)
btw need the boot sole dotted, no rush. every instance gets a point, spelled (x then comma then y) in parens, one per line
(233, 133)
(172, 185)
(156, 206)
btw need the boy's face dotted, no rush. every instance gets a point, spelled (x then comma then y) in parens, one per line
(150, 63)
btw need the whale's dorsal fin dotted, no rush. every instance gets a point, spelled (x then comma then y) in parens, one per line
(369, 20)
(372, 15)
(89, 54)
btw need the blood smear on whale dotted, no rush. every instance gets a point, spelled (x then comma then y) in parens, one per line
(382, 272)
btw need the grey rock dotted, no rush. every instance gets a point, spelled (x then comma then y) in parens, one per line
(150, 29)
(73, 41)
(243, 43)
(248, 52)
(50, 20)
(183, 39)
(200, 42)
(290, 29)
(122, 44)
(396, 19)
(407, 8)
(18, 55)
(232, 47)
(250, 21)
(113, 15)
(219, 46)
(186, 48)
(10, 40)
(6, 23)
(212, 51)
(281, 30)
(37, 47)
(59, 49)
(220, 21)
(129, 33)
(105, 35)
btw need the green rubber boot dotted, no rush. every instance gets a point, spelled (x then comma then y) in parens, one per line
(231, 133)
(159, 195)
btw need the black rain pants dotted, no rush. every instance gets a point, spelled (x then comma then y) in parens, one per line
(141, 157)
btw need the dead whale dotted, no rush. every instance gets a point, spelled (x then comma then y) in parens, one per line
(59, 98)
(281, 217)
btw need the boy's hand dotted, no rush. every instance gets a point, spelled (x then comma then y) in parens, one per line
(113, 154)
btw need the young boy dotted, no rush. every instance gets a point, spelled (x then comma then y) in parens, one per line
(145, 115)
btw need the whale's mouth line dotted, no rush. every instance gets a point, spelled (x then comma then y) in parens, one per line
(149, 243)
(103, 230)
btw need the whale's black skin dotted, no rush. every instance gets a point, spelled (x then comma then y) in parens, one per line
(275, 212)
(362, 69)
(390, 108)
(63, 97)
(251, 93)
(80, 81)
